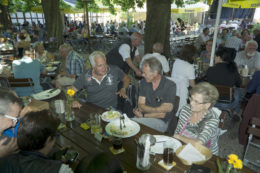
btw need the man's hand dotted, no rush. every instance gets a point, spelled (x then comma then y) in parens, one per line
(76, 104)
(122, 93)
(138, 113)
(9, 148)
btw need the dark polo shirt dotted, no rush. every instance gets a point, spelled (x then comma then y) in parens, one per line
(102, 94)
(165, 93)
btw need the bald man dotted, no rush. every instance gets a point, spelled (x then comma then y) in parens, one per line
(157, 50)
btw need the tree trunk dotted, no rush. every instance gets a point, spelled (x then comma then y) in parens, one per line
(157, 27)
(5, 20)
(53, 19)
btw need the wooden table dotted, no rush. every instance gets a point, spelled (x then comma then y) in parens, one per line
(85, 143)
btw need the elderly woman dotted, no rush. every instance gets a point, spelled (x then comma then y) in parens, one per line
(197, 121)
(42, 55)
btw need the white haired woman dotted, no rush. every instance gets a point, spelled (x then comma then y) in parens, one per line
(197, 121)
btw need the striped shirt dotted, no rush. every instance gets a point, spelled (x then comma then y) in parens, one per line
(233, 42)
(74, 63)
(205, 130)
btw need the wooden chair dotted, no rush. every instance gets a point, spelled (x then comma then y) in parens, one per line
(20, 82)
(173, 121)
(226, 96)
(254, 131)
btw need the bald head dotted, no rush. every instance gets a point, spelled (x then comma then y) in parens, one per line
(158, 47)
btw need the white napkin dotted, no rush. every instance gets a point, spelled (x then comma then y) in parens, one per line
(191, 154)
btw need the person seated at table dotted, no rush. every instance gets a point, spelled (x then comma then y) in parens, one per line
(253, 86)
(205, 55)
(250, 56)
(74, 66)
(41, 54)
(4, 45)
(124, 54)
(234, 41)
(183, 73)
(203, 37)
(223, 37)
(35, 138)
(225, 73)
(101, 82)
(156, 97)
(10, 107)
(28, 67)
(157, 53)
(101, 163)
(245, 37)
(257, 36)
(197, 120)
(21, 45)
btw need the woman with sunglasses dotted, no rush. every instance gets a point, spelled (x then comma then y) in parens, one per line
(197, 121)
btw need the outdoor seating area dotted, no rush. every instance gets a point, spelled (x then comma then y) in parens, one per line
(151, 86)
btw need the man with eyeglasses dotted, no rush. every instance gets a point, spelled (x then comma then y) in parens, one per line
(156, 97)
(10, 108)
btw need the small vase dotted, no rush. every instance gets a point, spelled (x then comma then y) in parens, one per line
(69, 114)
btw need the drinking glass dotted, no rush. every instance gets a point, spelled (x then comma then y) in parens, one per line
(168, 153)
(95, 124)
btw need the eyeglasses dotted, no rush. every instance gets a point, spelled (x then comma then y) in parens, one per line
(196, 102)
(12, 118)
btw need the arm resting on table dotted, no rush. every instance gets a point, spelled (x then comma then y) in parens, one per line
(163, 108)
(187, 140)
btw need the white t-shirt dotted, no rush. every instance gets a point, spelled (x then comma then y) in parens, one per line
(159, 57)
(124, 51)
(182, 72)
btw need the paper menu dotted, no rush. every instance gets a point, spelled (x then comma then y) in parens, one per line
(191, 154)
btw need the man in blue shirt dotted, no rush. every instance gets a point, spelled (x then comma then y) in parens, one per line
(28, 67)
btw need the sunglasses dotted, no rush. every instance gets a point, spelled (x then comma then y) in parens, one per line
(12, 118)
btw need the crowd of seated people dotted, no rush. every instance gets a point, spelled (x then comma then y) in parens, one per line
(195, 121)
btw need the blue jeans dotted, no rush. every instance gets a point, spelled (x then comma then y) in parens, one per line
(235, 104)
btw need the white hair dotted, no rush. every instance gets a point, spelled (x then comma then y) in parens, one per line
(136, 36)
(251, 42)
(94, 55)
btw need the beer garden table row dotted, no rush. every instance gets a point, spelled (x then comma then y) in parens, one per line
(84, 142)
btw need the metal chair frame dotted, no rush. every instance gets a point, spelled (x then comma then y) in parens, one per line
(253, 130)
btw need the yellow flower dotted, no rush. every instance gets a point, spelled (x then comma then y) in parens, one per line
(70, 92)
(232, 158)
(238, 164)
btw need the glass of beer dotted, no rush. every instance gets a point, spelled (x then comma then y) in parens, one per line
(168, 153)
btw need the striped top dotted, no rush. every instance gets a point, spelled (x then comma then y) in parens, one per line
(205, 130)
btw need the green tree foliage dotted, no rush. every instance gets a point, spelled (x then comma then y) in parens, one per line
(27, 5)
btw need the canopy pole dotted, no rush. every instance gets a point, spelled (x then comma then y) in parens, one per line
(220, 2)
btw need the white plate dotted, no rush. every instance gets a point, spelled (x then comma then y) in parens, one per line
(47, 94)
(51, 68)
(131, 128)
(108, 116)
(55, 62)
(158, 147)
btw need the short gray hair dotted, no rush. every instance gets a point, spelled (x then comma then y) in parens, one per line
(66, 46)
(154, 64)
(209, 92)
(7, 97)
(251, 42)
(158, 47)
(94, 55)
